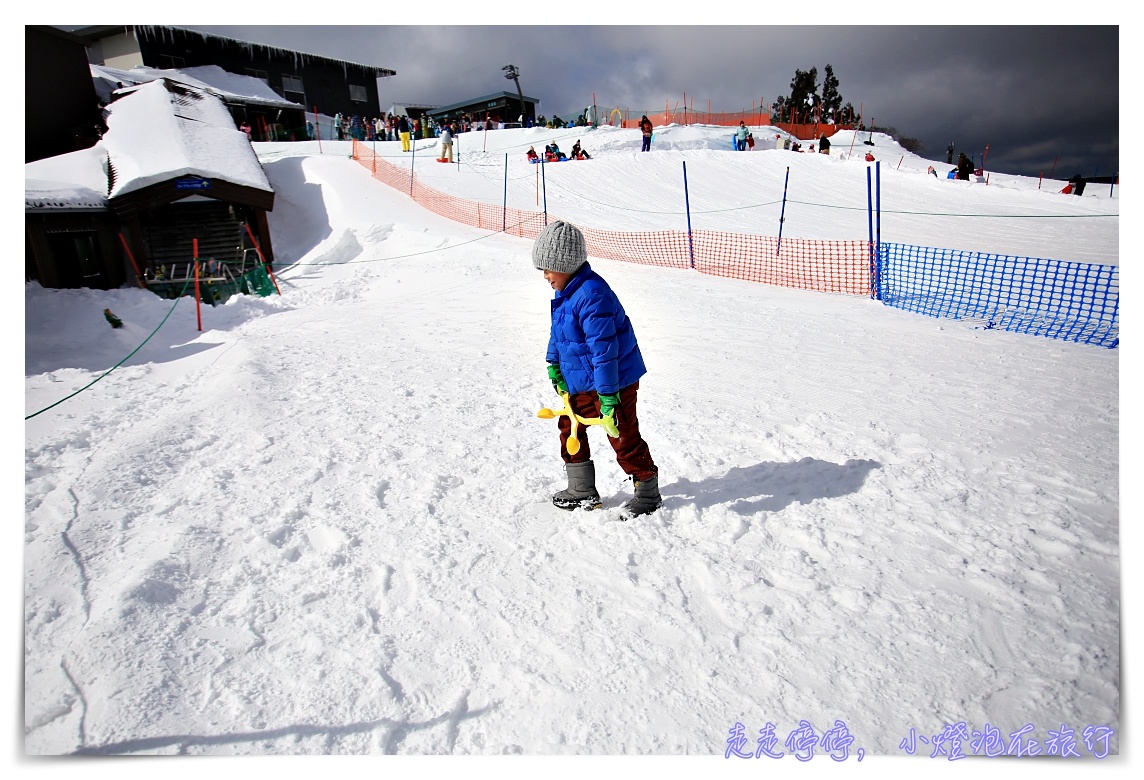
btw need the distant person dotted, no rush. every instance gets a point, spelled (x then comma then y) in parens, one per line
(778, 141)
(403, 131)
(869, 157)
(741, 137)
(750, 142)
(578, 152)
(446, 143)
(949, 154)
(824, 145)
(645, 128)
(531, 154)
(1077, 183)
(245, 127)
(964, 167)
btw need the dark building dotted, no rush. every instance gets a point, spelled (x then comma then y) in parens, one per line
(330, 85)
(125, 212)
(499, 106)
(61, 108)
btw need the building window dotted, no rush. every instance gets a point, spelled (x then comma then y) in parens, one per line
(292, 89)
(171, 61)
(259, 74)
(358, 94)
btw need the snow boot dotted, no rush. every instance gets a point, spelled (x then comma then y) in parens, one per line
(581, 492)
(647, 498)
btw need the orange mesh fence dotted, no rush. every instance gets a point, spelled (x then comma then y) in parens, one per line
(823, 266)
(755, 118)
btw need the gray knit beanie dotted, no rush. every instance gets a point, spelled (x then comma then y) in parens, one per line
(559, 247)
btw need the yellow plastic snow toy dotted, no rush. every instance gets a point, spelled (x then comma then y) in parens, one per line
(573, 445)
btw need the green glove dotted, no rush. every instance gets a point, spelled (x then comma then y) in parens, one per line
(609, 403)
(557, 379)
(609, 407)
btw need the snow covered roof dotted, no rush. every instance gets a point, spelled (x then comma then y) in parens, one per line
(77, 180)
(231, 87)
(165, 129)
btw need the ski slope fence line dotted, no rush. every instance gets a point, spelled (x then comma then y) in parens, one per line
(823, 266)
(1069, 301)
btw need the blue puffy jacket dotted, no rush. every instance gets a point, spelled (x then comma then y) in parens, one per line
(592, 338)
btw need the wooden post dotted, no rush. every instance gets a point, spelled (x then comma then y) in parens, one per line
(198, 297)
(263, 259)
(138, 274)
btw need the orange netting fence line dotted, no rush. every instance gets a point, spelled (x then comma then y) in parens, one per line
(807, 264)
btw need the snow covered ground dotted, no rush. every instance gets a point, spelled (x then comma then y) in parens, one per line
(321, 525)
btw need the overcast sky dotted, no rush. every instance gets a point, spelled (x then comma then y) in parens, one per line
(1033, 94)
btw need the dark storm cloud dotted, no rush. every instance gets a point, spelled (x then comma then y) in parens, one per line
(1033, 94)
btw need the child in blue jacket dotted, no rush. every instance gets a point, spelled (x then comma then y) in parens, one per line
(594, 357)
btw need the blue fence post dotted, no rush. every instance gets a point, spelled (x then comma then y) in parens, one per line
(878, 232)
(782, 214)
(687, 206)
(504, 207)
(870, 225)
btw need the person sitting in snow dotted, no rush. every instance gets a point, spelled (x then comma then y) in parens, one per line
(964, 167)
(594, 360)
(531, 154)
(578, 153)
(552, 153)
(869, 157)
(824, 145)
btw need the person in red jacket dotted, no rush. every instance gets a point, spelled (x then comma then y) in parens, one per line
(645, 128)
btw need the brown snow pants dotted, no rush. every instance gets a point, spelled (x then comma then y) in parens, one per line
(632, 452)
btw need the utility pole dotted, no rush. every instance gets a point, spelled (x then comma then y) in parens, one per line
(511, 72)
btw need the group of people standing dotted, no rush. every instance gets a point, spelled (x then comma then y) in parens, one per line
(391, 127)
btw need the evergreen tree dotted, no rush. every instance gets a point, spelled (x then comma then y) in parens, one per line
(803, 97)
(804, 92)
(779, 110)
(831, 99)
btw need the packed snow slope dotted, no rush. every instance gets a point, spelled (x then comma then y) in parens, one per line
(322, 524)
(743, 192)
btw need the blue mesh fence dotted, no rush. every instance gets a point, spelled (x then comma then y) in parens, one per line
(1070, 301)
